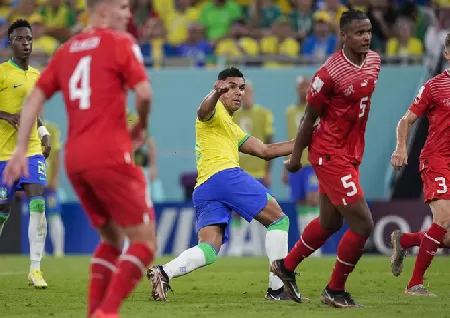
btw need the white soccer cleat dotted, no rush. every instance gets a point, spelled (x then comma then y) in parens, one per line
(36, 279)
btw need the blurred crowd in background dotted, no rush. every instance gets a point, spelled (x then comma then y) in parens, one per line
(267, 33)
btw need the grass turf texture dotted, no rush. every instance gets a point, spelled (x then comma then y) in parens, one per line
(232, 287)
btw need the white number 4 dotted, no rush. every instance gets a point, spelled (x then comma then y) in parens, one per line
(349, 185)
(363, 106)
(79, 83)
(441, 183)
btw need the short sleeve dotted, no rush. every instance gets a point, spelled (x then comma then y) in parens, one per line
(130, 60)
(268, 127)
(423, 101)
(242, 136)
(2, 78)
(320, 90)
(48, 81)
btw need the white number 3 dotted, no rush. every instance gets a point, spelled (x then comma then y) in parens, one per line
(441, 183)
(349, 185)
(79, 83)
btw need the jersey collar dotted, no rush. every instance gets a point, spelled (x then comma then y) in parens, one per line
(16, 65)
(350, 62)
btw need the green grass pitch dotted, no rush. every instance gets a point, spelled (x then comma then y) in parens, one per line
(232, 287)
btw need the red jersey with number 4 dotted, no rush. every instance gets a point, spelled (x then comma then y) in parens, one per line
(93, 70)
(433, 99)
(343, 91)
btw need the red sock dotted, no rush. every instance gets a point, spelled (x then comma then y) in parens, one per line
(313, 237)
(130, 268)
(349, 252)
(103, 265)
(408, 240)
(431, 241)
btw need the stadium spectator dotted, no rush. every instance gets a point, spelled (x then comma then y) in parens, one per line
(43, 45)
(322, 43)
(58, 19)
(196, 46)
(361, 5)
(435, 35)
(238, 43)
(422, 16)
(334, 9)
(141, 11)
(217, 16)
(154, 46)
(302, 18)
(23, 10)
(264, 13)
(281, 42)
(383, 15)
(404, 44)
(178, 19)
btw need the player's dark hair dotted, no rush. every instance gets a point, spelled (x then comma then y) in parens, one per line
(229, 72)
(447, 42)
(350, 16)
(20, 23)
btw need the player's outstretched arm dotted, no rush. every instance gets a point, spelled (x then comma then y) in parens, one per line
(400, 155)
(303, 138)
(208, 106)
(255, 147)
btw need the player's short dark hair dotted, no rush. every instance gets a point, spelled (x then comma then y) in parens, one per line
(229, 72)
(350, 16)
(447, 42)
(20, 23)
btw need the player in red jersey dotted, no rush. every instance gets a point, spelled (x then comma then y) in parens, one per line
(94, 70)
(433, 100)
(340, 96)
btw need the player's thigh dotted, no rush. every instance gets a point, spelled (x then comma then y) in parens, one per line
(34, 184)
(441, 212)
(436, 184)
(358, 217)
(91, 205)
(330, 218)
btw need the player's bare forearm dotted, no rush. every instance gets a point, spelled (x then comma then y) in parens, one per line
(208, 105)
(268, 141)
(143, 102)
(255, 147)
(151, 151)
(403, 129)
(304, 132)
(31, 108)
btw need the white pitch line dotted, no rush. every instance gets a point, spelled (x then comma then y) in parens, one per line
(12, 273)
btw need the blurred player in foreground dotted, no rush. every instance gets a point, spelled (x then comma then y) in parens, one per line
(340, 96)
(222, 187)
(257, 121)
(52, 202)
(93, 70)
(304, 185)
(433, 100)
(17, 78)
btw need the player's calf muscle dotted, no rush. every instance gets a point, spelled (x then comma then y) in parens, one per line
(441, 212)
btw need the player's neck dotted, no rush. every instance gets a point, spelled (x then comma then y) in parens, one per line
(301, 102)
(355, 58)
(22, 63)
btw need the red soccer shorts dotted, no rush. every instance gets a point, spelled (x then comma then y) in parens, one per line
(339, 181)
(436, 184)
(115, 192)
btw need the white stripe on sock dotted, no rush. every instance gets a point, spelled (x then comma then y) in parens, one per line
(312, 249)
(133, 259)
(432, 239)
(345, 263)
(105, 263)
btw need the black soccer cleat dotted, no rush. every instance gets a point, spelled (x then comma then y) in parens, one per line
(160, 283)
(338, 299)
(288, 278)
(398, 253)
(278, 294)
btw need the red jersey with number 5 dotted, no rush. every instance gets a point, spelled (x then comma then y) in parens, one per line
(433, 99)
(343, 91)
(93, 70)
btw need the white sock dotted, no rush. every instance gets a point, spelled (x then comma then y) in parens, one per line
(37, 232)
(276, 248)
(56, 229)
(186, 262)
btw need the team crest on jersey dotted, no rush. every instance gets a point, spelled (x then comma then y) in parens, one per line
(3, 194)
(316, 85)
(447, 102)
(350, 90)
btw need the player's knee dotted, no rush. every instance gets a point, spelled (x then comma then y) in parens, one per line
(366, 226)
(37, 204)
(209, 251)
(281, 224)
(446, 241)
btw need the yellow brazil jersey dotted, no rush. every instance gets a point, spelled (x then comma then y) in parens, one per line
(15, 84)
(294, 114)
(258, 122)
(217, 144)
(55, 139)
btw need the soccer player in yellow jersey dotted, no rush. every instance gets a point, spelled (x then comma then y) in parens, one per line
(16, 80)
(52, 203)
(303, 184)
(222, 186)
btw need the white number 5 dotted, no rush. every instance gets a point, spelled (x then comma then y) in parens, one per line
(441, 183)
(349, 185)
(82, 76)
(363, 106)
